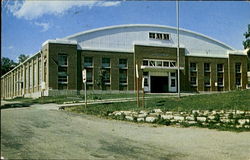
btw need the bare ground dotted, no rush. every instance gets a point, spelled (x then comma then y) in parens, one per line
(43, 132)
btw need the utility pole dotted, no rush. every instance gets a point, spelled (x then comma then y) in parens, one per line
(137, 80)
(178, 48)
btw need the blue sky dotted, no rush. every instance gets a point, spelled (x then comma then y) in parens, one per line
(26, 25)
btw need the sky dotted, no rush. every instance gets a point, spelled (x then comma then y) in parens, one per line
(27, 24)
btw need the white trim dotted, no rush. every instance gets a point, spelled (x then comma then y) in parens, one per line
(60, 41)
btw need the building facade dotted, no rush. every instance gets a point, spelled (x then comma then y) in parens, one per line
(110, 56)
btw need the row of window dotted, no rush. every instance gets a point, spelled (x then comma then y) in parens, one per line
(158, 63)
(207, 74)
(161, 36)
(88, 62)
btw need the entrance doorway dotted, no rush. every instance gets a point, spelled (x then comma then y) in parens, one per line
(159, 84)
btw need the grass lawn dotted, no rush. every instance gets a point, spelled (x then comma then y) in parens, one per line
(62, 99)
(231, 100)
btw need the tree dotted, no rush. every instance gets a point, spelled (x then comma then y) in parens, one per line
(22, 58)
(246, 45)
(7, 65)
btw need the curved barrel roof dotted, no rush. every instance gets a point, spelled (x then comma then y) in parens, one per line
(124, 37)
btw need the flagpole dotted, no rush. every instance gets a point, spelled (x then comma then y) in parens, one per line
(178, 48)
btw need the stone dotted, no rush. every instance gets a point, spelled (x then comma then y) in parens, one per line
(167, 117)
(239, 112)
(150, 119)
(143, 112)
(206, 112)
(154, 114)
(195, 111)
(157, 110)
(127, 112)
(202, 119)
(117, 113)
(140, 119)
(243, 121)
(225, 120)
(190, 118)
(168, 112)
(179, 118)
(143, 115)
(246, 126)
(130, 118)
(191, 122)
(212, 117)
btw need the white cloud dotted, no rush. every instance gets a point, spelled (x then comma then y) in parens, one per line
(10, 47)
(45, 26)
(32, 9)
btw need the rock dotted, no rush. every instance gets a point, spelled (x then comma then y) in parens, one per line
(202, 119)
(130, 118)
(157, 110)
(243, 121)
(151, 119)
(140, 119)
(214, 112)
(190, 118)
(211, 117)
(154, 114)
(143, 115)
(143, 112)
(179, 118)
(168, 112)
(117, 113)
(127, 113)
(206, 112)
(191, 122)
(167, 117)
(195, 111)
(246, 126)
(225, 120)
(239, 112)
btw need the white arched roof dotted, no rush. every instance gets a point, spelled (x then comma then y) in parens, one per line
(124, 37)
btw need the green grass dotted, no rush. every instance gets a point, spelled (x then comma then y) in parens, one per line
(62, 99)
(231, 100)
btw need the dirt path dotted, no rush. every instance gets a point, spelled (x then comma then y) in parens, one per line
(43, 132)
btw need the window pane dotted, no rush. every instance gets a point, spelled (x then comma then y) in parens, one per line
(62, 60)
(192, 66)
(88, 61)
(89, 75)
(123, 76)
(145, 62)
(123, 63)
(159, 63)
(105, 62)
(220, 68)
(206, 67)
(166, 64)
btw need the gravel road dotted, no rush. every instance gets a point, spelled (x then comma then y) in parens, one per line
(43, 132)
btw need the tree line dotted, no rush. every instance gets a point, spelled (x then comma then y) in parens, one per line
(8, 64)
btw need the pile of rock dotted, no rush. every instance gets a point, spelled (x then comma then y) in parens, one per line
(226, 118)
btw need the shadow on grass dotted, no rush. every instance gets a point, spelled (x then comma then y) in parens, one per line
(16, 105)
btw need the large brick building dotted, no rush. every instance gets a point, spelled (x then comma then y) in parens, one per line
(110, 54)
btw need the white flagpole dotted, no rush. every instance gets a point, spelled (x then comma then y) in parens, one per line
(178, 48)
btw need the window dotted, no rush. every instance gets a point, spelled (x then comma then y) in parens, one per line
(166, 36)
(27, 77)
(193, 78)
(123, 63)
(172, 74)
(220, 79)
(152, 63)
(238, 68)
(145, 82)
(220, 67)
(122, 76)
(159, 63)
(35, 74)
(31, 76)
(89, 75)
(40, 71)
(238, 74)
(152, 35)
(62, 60)
(207, 79)
(158, 35)
(106, 75)
(166, 64)
(105, 62)
(172, 64)
(161, 36)
(88, 62)
(145, 63)
(206, 67)
(172, 82)
(62, 75)
(193, 67)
